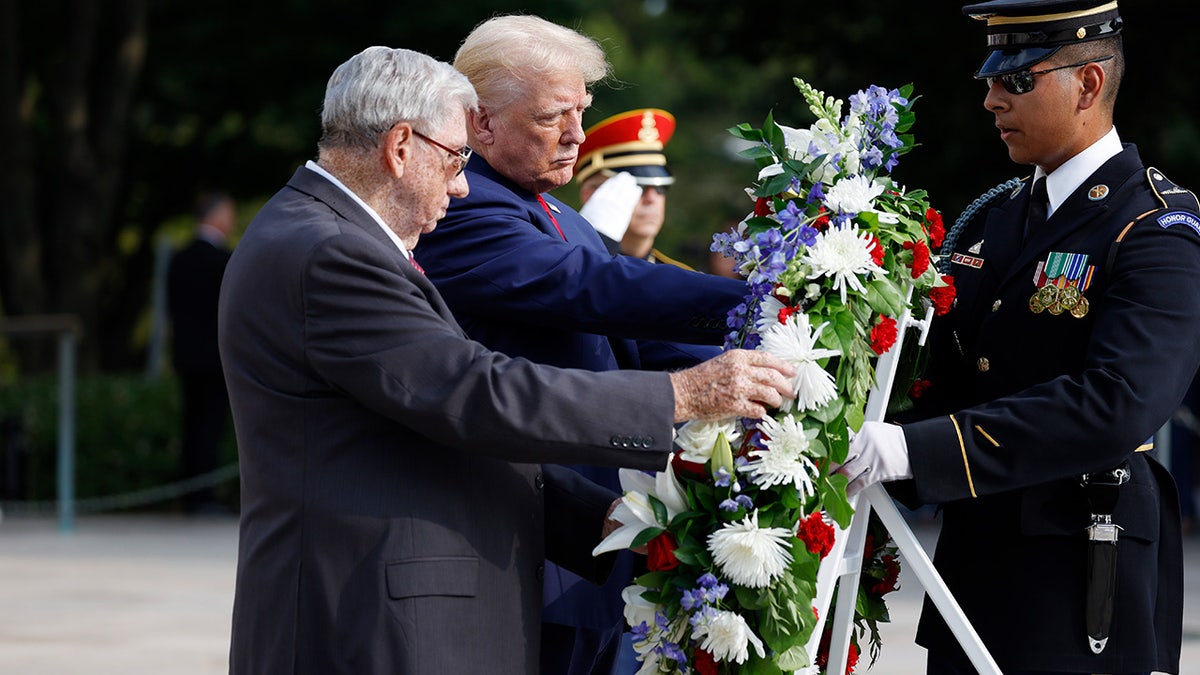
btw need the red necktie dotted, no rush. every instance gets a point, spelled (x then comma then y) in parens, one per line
(546, 207)
(413, 260)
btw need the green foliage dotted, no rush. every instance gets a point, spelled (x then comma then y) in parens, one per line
(126, 434)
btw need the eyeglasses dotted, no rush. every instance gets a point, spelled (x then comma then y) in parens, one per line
(458, 158)
(1021, 82)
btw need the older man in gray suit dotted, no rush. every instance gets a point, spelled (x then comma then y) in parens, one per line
(394, 514)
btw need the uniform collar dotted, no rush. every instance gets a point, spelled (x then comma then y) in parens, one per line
(1069, 176)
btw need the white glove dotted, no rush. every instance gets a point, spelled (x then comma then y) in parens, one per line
(611, 205)
(878, 453)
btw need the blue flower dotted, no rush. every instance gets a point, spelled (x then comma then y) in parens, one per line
(808, 235)
(722, 478)
(729, 506)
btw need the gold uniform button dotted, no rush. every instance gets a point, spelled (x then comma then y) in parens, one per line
(984, 364)
(996, 306)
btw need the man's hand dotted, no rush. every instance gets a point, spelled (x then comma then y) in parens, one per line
(738, 383)
(611, 206)
(611, 525)
(878, 453)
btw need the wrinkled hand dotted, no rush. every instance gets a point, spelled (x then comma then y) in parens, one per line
(737, 383)
(611, 206)
(878, 453)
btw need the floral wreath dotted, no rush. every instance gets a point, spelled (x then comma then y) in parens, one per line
(736, 528)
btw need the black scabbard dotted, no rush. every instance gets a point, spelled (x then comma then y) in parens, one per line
(1101, 583)
(1102, 491)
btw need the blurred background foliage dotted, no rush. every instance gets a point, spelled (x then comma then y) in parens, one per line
(114, 114)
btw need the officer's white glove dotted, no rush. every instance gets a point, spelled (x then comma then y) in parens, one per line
(611, 205)
(878, 453)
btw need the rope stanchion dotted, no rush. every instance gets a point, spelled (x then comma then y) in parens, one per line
(131, 499)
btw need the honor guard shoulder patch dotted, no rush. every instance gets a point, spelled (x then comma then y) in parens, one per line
(1178, 218)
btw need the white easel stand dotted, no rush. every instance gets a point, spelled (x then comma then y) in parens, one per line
(844, 563)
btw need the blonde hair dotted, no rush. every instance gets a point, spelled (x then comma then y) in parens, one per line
(506, 54)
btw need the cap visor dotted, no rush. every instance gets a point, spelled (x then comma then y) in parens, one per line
(1001, 61)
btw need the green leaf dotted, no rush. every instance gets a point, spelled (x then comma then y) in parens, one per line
(660, 510)
(833, 498)
(794, 658)
(645, 536)
(747, 133)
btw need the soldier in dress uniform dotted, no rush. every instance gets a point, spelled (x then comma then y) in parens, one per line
(1071, 342)
(632, 143)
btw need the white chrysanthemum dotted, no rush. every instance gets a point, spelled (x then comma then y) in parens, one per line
(768, 313)
(785, 459)
(728, 637)
(843, 255)
(749, 555)
(853, 195)
(635, 512)
(795, 343)
(696, 438)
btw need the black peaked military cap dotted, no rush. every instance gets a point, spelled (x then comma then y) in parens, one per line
(1022, 33)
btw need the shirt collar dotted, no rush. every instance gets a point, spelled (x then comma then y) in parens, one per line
(1069, 176)
(317, 169)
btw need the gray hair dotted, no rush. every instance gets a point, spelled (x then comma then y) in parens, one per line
(380, 86)
(505, 54)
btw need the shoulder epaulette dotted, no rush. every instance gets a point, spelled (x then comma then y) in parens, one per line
(1172, 200)
(1170, 195)
(1009, 187)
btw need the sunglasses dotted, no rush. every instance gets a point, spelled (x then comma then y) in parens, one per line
(1021, 82)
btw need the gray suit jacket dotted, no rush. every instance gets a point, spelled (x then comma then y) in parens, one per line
(394, 517)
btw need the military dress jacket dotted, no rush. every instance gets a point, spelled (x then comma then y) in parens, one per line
(1030, 389)
(537, 282)
(395, 514)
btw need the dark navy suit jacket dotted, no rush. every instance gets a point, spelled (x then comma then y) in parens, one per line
(515, 285)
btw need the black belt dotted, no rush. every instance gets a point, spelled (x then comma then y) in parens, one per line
(1102, 491)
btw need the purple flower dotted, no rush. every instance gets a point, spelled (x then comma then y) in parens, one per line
(808, 235)
(816, 194)
(791, 216)
(729, 506)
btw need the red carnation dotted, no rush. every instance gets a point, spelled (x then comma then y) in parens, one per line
(823, 653)
(877, 251)
(817, 535)
(919, 387)
(942, 297)
(883, 335)
(891, 573)
(704, 663)
(683, 467)
(822, 221)
(920, 261)
(762, 207)
(786, 313)
(937, 230)
(660, 553)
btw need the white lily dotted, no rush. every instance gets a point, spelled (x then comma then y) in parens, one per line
(635, 512)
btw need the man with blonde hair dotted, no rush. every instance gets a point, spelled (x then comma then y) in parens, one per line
(527, 275)
(393, 511)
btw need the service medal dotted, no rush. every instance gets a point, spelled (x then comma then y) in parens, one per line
(1061, 280)
(1080, 309)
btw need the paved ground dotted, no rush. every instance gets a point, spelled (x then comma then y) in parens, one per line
(152, 595)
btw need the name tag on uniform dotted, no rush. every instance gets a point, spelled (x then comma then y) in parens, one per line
(968, 260)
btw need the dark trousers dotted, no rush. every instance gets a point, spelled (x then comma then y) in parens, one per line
(205, 419)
